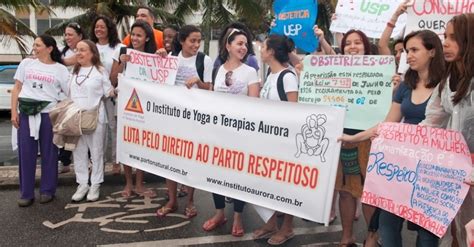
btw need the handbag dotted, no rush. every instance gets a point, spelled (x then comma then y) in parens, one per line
(30, 106)
(89, 119)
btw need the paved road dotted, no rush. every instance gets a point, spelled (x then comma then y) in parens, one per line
(119, 222)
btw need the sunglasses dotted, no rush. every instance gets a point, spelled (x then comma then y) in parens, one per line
(234, 30)
(228, 78)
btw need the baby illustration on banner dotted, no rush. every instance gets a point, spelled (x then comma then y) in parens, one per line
(312, 139)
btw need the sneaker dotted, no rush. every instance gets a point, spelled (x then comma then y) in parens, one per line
(25, 202)
(62, 168)
(93, 194)
(80, 193)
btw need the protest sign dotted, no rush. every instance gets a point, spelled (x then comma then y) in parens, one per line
(360, 84)
(295, 19)
(151, 67)
(434, 15)
(371, 17)
(283, 158)
(417, 173)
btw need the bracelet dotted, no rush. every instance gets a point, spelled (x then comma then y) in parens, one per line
(389, 24)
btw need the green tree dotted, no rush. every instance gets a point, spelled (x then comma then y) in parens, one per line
(215, 13)
(12, 28)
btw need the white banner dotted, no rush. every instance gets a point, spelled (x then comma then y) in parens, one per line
(371, 17)
(145, 66)
(278, 155)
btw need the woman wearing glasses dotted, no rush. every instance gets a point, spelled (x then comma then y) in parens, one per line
(89, 84)
(73, 33)
(234, 77)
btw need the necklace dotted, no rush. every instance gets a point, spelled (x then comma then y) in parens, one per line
(85, 78)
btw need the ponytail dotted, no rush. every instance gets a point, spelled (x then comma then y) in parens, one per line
(51, 42)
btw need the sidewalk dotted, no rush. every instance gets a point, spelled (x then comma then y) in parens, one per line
(9, 178)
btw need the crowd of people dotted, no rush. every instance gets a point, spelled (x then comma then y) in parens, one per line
(437, 90)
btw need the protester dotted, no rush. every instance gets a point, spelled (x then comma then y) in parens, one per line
(146, 14)
(88, 85)
(194, 71)
(104, 35)
(73, 33)
(425, 57)
(251, 59)
(452, 104)
(169, 33)
(142, 39)
(275, 52)
(38, 86)
(324, 48)
(353, 158)
(234, 77)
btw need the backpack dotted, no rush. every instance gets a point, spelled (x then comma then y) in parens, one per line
(280, 87)
(199, 64)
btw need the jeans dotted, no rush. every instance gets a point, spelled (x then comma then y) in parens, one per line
(390, 228)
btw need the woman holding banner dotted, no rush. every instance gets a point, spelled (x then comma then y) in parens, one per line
(89, 83)
(353, 158)
(194, 71)
(104, 35)
(452, 103)
(142, 39)
(275, 52)
(424, 55)
(235, 77)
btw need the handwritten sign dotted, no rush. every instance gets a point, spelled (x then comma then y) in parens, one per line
(417, 173)
(369, 16)
(360, 84)
(434, 15)
(201, 142)
(295, 19)
(151, 67)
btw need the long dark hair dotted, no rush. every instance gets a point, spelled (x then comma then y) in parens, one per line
(365, 41)
(95, 57)
(111, 31)
(281, 47)
(436, 70)
(461, 72)
(49, 41)
(229, 37)
(77, 28)
(240, 26)
(150, 45)
(183, 33)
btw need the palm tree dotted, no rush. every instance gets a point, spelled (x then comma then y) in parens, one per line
(12, 28)
(118, 10)
(215, 13)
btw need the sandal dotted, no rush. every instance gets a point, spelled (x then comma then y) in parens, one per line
(211, 224)
(237, 231)
(163, 211)
(274, 241)
(263, 233)
(127, 194)
(146, 193)
(190, 212)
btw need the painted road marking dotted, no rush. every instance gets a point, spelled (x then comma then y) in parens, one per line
(221, 238)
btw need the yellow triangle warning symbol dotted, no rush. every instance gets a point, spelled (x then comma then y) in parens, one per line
(134, 104)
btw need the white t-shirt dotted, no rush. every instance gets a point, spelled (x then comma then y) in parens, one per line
(187, 69)
(270, 91)
(241, 78)
(69, 53)
(107, 55)
(42, 81)
(86, 92)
